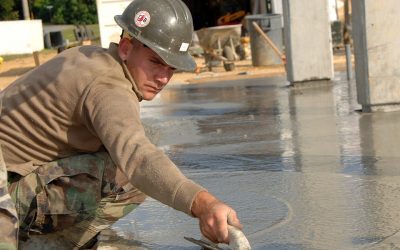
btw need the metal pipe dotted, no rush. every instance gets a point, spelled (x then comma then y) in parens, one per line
(347, 39)
(25, 8)
(348, 62)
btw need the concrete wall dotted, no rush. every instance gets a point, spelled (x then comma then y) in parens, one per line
(376, 42)
(277, 6)
(21, 37)
(106, 10)
(308, 40)
(332, 10)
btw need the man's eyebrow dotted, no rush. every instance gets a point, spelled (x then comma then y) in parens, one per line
(157, 59)
(161, 61)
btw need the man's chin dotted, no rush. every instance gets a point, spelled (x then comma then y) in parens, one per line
(149, 96)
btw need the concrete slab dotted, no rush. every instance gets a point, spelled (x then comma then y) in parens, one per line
(302, 167)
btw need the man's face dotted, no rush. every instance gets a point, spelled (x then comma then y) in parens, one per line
(150, 73)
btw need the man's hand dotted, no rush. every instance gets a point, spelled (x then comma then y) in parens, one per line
(214, 217)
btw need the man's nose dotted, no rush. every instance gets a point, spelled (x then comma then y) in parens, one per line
(163, 77)
(162, 81)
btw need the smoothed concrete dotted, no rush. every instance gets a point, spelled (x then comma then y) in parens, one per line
(302, 166)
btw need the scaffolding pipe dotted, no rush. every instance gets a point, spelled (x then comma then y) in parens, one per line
(347, 39)
(25, 8)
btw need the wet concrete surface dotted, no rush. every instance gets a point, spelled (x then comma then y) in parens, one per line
(301, 165)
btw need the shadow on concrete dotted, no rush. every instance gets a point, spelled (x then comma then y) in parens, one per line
(15, 71)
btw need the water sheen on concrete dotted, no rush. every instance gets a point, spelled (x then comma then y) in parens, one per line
(302, 167)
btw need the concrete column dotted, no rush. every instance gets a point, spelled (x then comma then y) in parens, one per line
(377, 52)
(332, 10)
(277, 6)
(109, 30)
(25, 8)
(308, 40)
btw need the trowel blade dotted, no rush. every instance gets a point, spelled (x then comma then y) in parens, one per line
(204, 244)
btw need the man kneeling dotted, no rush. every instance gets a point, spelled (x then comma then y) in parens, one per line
(74, 147)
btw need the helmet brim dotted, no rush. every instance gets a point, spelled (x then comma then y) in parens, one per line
(182, 62)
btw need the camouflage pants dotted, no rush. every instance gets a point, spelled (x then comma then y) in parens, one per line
(8, 215)
(77, 196)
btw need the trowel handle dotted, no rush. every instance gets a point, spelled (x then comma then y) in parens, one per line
(237, 239)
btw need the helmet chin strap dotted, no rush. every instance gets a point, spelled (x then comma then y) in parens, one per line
(125, 34)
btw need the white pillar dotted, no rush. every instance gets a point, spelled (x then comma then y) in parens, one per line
(308, 40)
(376, 42)
(277, 6)
(109, 29)
(332, 10)
(25, 8)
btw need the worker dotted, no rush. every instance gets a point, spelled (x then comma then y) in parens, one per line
(74, 148)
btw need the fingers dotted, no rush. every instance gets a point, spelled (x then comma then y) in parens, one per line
(208, 235)
(214, 217)
(222, 229)
(233, 220)
(215, 227)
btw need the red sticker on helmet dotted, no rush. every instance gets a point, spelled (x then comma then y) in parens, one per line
(142, 18)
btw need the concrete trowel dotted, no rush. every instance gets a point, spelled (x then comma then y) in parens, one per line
(237, 241)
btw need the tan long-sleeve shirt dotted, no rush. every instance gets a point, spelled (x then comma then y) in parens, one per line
(79, 101)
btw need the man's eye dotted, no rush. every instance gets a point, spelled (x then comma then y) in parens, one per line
(159, 63)
(156, 62)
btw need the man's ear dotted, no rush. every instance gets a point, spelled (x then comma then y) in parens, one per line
(124, 48)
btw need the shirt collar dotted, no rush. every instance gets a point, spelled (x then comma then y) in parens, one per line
(113, 51)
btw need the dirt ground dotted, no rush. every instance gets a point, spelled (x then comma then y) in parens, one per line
(11, 69)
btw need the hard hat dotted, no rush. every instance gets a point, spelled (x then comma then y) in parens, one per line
(165, 26)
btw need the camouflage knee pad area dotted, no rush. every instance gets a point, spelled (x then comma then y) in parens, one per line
(73, 195)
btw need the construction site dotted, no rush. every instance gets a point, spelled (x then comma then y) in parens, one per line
(291, 117)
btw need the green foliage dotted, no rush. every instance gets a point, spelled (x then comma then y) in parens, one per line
(66, 11)
(41, 10)
(7, 10)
